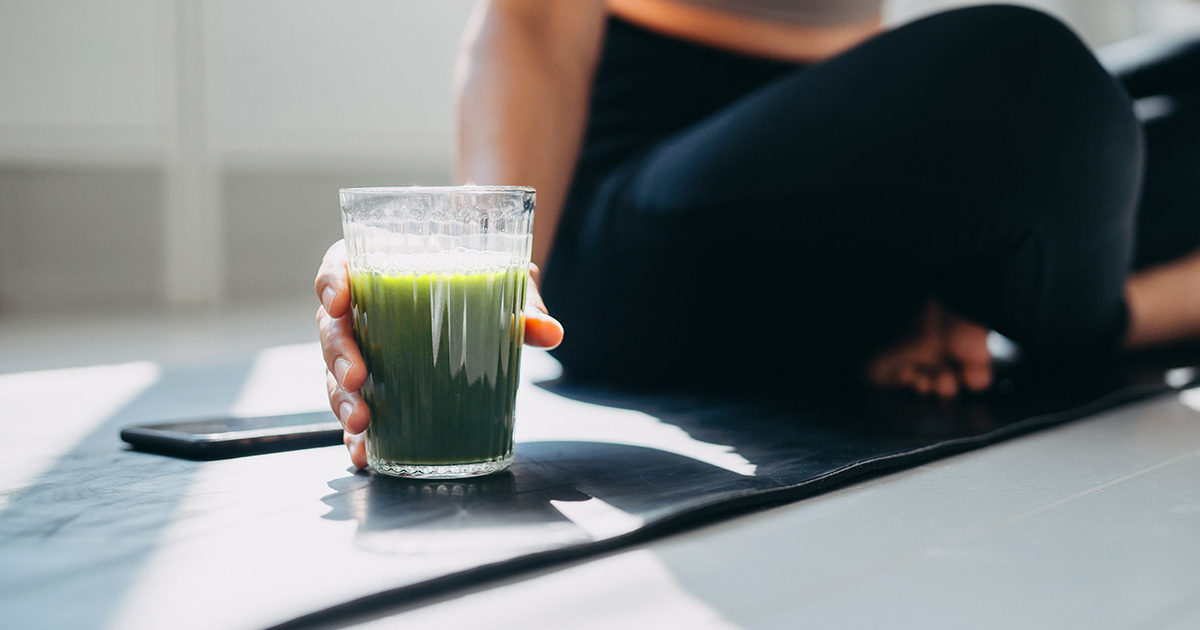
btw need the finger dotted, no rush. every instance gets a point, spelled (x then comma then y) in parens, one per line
(349, 407)
(357, 447)
(542, 331)
(342, 356)
(533, 297)
(945, 384)
(333, 281)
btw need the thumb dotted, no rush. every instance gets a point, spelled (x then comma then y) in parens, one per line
(541, 330)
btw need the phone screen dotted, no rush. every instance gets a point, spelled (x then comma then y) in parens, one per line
(289, 423)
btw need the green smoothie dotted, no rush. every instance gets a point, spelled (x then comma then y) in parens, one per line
(442, 352)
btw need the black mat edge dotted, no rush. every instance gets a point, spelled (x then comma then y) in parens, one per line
(707, 512)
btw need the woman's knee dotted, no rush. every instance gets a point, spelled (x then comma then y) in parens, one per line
(1005, 29)
(1067, 125)
(1016, 48)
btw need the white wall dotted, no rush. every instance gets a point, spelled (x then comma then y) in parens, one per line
(83, 81)
(193, 148)
(315, 82)
(1100, 22)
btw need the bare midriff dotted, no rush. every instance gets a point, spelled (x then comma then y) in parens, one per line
(749, 36)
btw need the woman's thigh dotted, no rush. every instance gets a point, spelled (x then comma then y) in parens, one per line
(981, 156)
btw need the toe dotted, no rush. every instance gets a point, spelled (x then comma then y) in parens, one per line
(906, 375)
(966, 349)
(977, 377)
(923, 384)
(946, 385)
(966, 342)
(879, 371)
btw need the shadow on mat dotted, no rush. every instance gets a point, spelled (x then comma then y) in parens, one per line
(825, 420)
(555, 494)
(564, 493)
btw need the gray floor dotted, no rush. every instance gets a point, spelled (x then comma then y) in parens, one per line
(1093, 524)
(33, 341)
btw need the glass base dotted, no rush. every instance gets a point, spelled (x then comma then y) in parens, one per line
(444, 471)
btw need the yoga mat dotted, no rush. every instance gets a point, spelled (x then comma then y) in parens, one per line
(103, 536)
(612, 479)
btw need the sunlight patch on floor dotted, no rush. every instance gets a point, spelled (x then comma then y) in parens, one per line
(68, 402)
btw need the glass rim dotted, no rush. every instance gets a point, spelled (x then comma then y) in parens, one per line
(436, 189)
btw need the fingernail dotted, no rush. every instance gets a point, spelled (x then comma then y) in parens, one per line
(327, 298)
(344, 412)
(340, 368)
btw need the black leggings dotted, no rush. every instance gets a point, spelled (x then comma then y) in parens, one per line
(735, 220)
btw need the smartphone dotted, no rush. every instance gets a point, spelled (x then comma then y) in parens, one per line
(220, 438)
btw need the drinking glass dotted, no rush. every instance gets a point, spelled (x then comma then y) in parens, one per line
(437, 286)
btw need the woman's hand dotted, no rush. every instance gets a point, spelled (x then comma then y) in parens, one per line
(345, 372)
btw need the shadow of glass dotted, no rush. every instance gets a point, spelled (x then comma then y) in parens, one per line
(555, 494)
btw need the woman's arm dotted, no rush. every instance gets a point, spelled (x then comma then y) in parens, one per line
(523, 81)
(522, 99)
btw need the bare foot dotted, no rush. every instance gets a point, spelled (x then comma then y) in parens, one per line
(944, 354)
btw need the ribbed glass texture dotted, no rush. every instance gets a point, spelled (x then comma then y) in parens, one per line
(437, 284)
